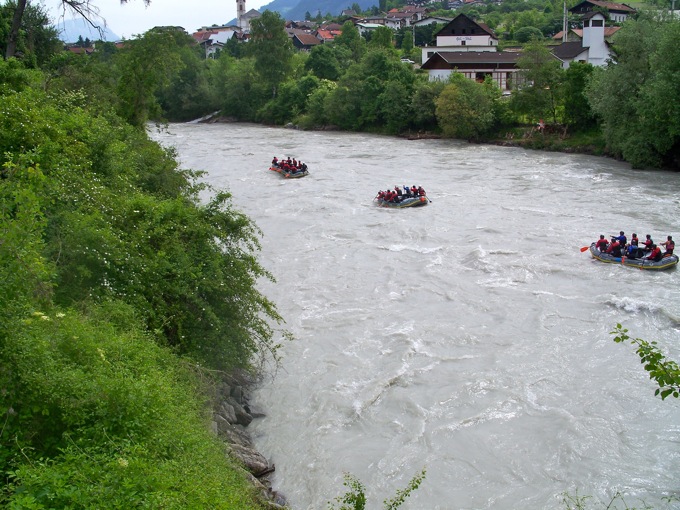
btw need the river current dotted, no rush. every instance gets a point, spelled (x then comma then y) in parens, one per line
(470, 337)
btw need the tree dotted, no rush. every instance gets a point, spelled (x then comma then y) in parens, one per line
(637, 97)
(381, 37)
(538, 89)
(271, 48)
(465, 108)
(351, 39)
(323, 62)
(578, 113)
(146, 65)
(37, 40)
(526, 34)
(83, 8)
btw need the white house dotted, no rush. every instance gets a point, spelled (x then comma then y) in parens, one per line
(593, 48)
(462, 34)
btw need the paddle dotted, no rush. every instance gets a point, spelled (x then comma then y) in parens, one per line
(584, 248)
(428, 198)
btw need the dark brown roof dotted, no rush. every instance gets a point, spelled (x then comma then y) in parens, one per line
(307, 39)
(568, 50)
(610, 6)
(453, 58)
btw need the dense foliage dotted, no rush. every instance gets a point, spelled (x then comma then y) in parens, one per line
(118, 288)
(358, 82)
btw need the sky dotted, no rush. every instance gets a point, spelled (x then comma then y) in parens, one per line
(133, 18)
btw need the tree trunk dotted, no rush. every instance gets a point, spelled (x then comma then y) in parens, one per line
(13, 36)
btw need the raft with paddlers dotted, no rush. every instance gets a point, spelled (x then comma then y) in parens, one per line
(399, 198)
(288, 173)
(666, 262)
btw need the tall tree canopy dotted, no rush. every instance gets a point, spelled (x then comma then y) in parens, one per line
(271, 48)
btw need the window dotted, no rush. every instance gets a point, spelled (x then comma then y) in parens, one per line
(462, 43)
(597, 23)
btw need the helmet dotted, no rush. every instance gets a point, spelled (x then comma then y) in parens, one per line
(621, 233)
(648, 236)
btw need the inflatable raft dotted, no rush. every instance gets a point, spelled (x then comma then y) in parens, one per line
(287, 174)
(664, 263)
(405, 202)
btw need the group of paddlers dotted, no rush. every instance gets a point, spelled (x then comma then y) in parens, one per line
(289, 165)
(398, 194)
(647, 250)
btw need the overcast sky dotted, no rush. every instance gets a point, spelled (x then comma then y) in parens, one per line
(133, 18)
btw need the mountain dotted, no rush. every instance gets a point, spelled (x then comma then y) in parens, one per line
(296, 9)
(69, 30)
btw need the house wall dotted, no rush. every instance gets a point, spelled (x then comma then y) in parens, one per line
(466, 40)
(428, 51)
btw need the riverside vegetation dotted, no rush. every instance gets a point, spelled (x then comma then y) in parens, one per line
(123, 298)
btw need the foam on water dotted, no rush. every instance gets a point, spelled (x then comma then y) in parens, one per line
(470, 336)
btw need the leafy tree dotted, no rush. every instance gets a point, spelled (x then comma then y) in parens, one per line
(578, 113)
(145, 66)
(663, 371)
(271, 48)
(465, 108)
(537, 93)
(241, 93)
(636, 96)
(37, 40)
(351, 39)
(187, 94)
(323, 62)
(423, 104)
(526, 34)
(381, 37)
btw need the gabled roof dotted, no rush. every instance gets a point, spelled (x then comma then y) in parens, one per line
(608, 32)
(307, 39)
(610, 6)
(471, 57)
(568, 50)
(464, 21)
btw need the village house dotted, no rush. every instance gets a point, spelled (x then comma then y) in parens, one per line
(462, 34)
(470, 48)
(592, 48)
(618, 13)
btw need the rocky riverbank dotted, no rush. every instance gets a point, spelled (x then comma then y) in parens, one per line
(232, 413)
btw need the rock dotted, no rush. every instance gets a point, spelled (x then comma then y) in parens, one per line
(252, 459)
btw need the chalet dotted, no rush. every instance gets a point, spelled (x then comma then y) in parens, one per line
(592, 48)
(305, 42)
(397, 20)
(326, 35)
(617, 12)
(366, 28)
(213, 40)
(476, 65)
(462, 34)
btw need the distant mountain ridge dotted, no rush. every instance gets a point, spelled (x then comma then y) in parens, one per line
(296, 9)
(69, 30)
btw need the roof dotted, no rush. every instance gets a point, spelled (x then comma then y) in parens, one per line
(610, 6)
(568, 50)
(472, 57)
(608, 32)
(463, 20)
(307, 39)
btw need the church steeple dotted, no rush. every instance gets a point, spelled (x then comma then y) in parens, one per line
(240, 12)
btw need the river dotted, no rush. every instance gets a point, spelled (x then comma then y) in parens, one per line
(470, 337)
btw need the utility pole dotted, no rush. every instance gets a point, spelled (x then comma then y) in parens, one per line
(564, 22)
